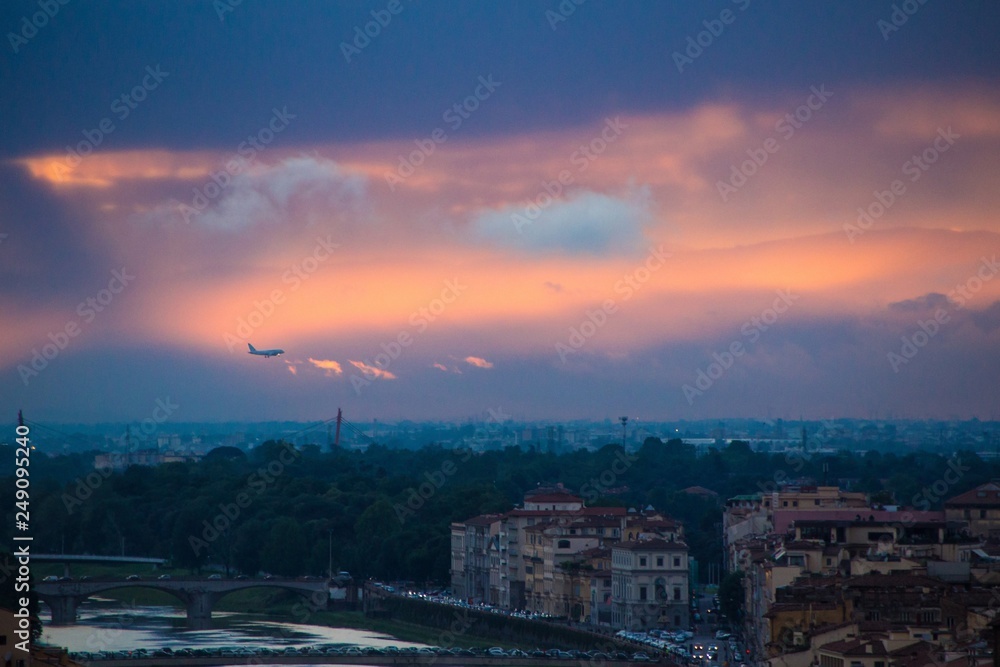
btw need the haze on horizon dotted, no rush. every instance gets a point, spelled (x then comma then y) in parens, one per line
(721, 209)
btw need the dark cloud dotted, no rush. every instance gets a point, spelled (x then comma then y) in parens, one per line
(922, 304)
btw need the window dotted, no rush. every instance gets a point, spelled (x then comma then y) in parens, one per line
(677, 561)
(642, 592)
(677, 592)
(816, 502)
(659, 561)
(784, 503)
(879, 663)
(829, 561)
(982, 514)
(529, 569)
(642, 561)
(677, 619)
(563, 544)
(795, 503)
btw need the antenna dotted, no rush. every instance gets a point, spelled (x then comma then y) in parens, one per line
(624, 421)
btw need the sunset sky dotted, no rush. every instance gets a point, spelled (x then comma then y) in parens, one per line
(556, 210)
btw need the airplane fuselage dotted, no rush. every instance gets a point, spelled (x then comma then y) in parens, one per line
(264, 353)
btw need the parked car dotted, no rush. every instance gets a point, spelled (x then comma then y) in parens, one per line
(214, 577)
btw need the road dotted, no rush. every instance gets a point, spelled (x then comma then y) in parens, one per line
(705, 635)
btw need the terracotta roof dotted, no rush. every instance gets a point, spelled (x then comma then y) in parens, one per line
(785, 518)
(597, 552)
(586, 511)
(855, 647)
(985, 494)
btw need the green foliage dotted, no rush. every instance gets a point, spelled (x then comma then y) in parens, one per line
(389, 511)
(731, 597)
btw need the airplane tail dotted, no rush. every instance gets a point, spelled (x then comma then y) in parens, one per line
(252, 348)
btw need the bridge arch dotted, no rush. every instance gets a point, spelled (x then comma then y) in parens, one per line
(197, 595)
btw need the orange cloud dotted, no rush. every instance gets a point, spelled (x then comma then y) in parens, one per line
(373, 371)
(478, 362)
(331, 367)
(396, 250)
(111, 168)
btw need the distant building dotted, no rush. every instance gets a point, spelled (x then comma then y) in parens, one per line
(119, 461)
(554, 556)
(979, 508)
(649, 581)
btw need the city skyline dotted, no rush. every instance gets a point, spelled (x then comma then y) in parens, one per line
(559, 210)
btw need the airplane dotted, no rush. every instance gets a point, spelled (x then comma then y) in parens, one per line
(264, 353)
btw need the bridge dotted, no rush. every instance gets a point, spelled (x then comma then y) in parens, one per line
(199, 595)
(68, 559)
(94, 558)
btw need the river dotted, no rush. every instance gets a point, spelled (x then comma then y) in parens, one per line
(107, 625)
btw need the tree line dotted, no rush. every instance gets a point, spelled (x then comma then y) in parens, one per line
(386, 512)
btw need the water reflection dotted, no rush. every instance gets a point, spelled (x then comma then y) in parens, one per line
(107, 625)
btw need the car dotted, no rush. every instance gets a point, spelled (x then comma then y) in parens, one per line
(51, 577)
(164, 577)
(133, 577)
(241, 577)
(214, 577)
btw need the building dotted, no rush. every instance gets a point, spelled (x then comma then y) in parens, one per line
(650, 586)
(9, 640)
(458, 589)
(979, 508)
(474, 550)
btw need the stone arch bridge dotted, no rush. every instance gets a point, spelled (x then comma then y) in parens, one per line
(199, 595)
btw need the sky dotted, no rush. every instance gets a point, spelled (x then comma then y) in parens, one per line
(547, 210)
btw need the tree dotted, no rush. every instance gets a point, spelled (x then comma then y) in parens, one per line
(285, 551)
(732, 597)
